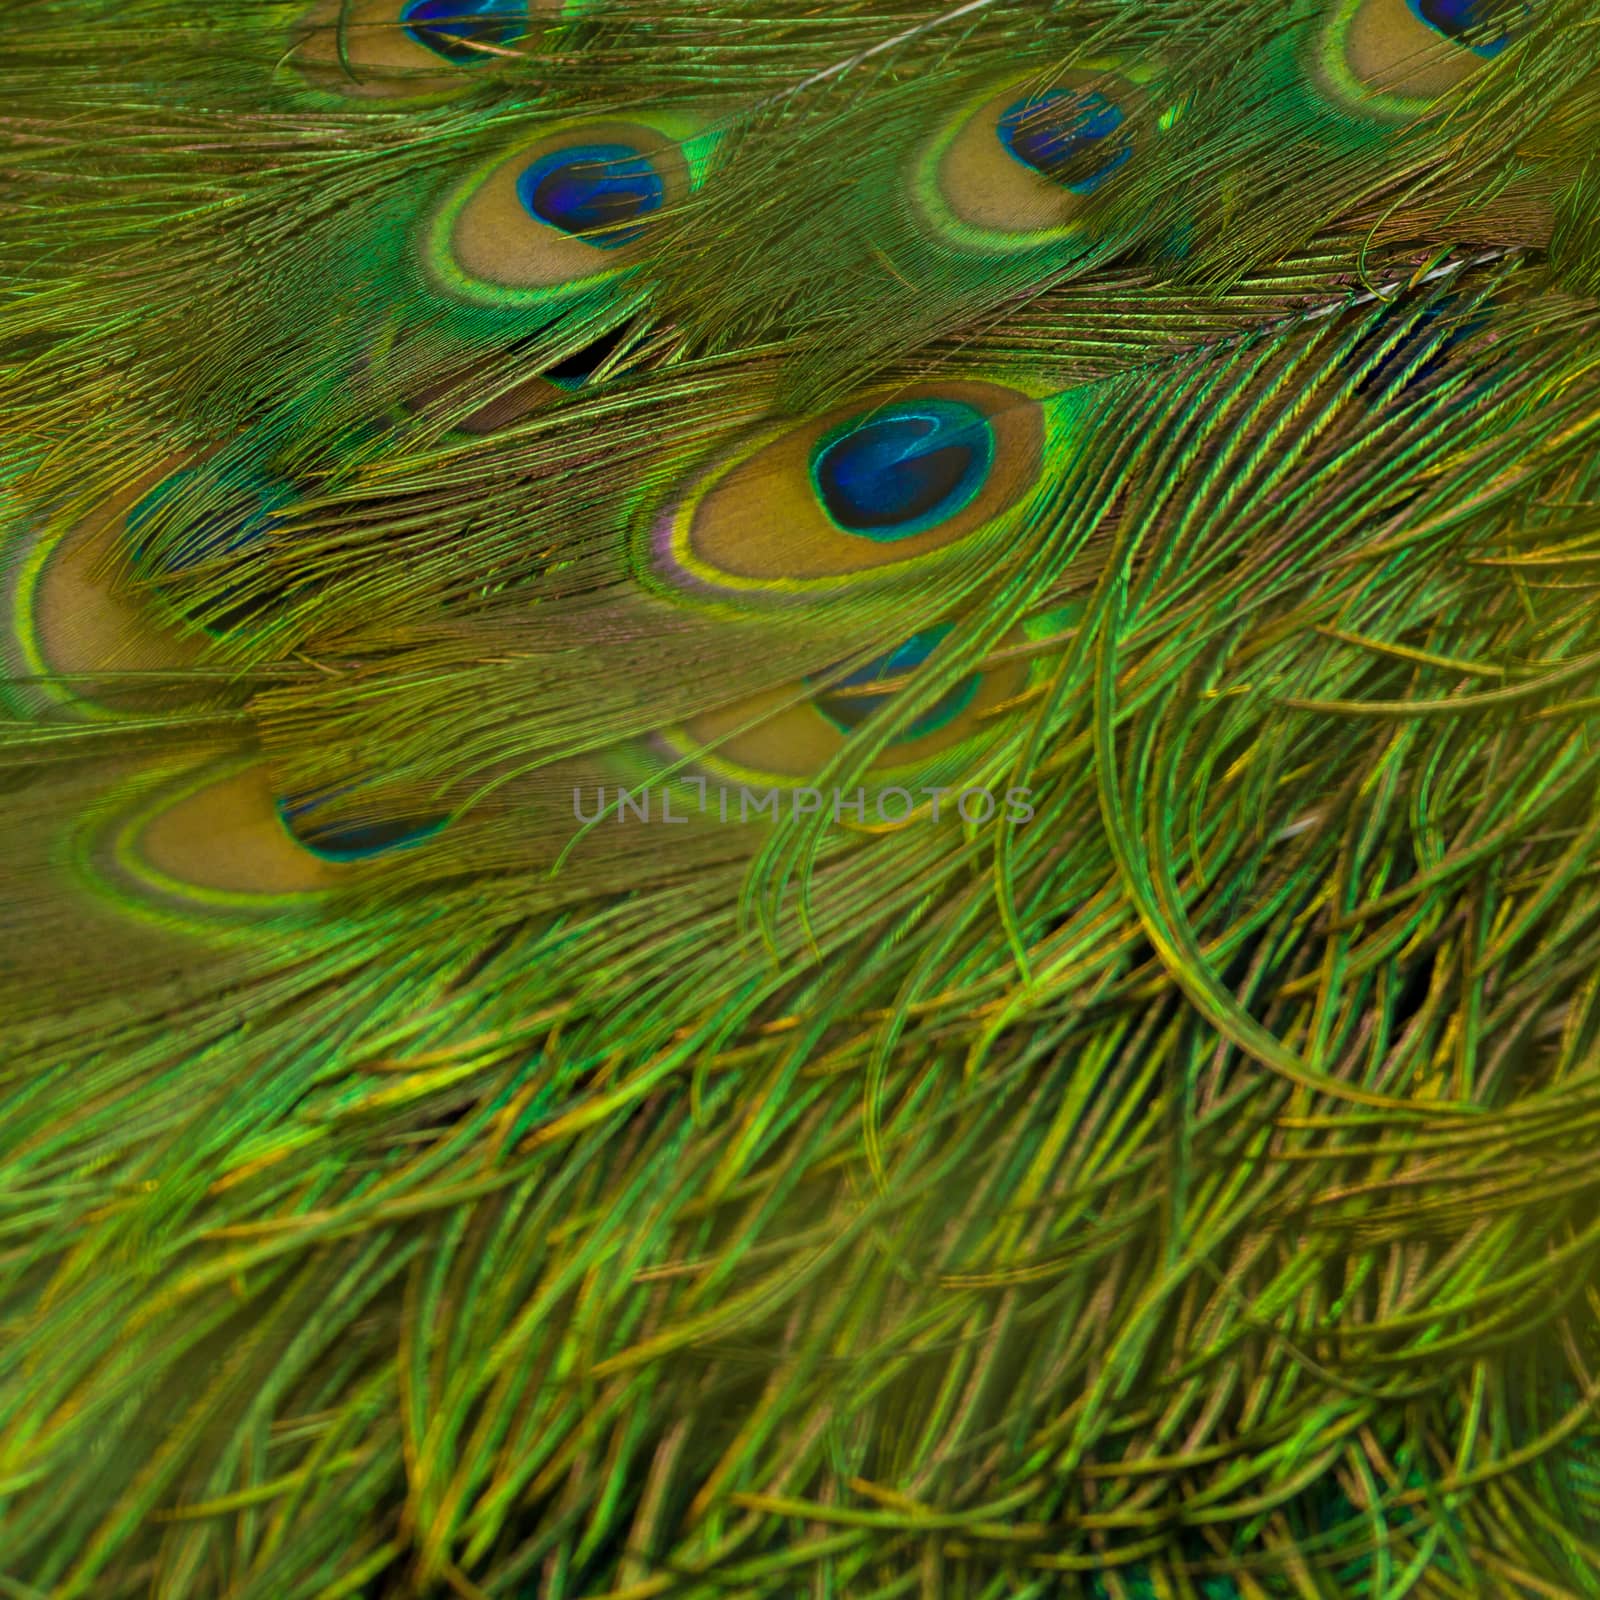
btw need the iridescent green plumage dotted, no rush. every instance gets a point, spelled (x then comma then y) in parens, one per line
(499, 1100)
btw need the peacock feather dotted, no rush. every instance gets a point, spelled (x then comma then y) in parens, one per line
(800, 800)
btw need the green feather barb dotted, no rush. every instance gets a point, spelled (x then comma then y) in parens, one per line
(800, 802)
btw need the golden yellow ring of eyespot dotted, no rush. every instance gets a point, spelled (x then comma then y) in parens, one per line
(781, 738)
(750, 522)
(972, 190)
(179, 846)
(1380, 58)
(361, 49)
(69, 621)
(483, 244)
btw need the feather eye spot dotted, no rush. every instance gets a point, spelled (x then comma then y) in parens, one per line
(218, 531)
(1390, 59)
(405, 49)
(347, 837)
(1457, 18)
(848, 702)
(458, 30)
(592, 191)
(872, 484)
(192, 525)
(556, 218)
(80, 642)
(897, 471)
(1072, 138)
(791, 733)
(1016, 167)
(211, 841)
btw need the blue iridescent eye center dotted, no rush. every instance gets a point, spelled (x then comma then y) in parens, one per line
(174, 530)
(1070, 136)
(894, 472)
(201, 518)
(845, 705)
(1455, 18)
(458, 29)
(350, 837)
(593, 191)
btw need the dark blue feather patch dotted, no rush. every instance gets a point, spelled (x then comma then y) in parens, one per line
(1455, 18)
(898, 470)
(1047, 131)
(847, 710)
(347, 837)
(457, 29)
(592, 190)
